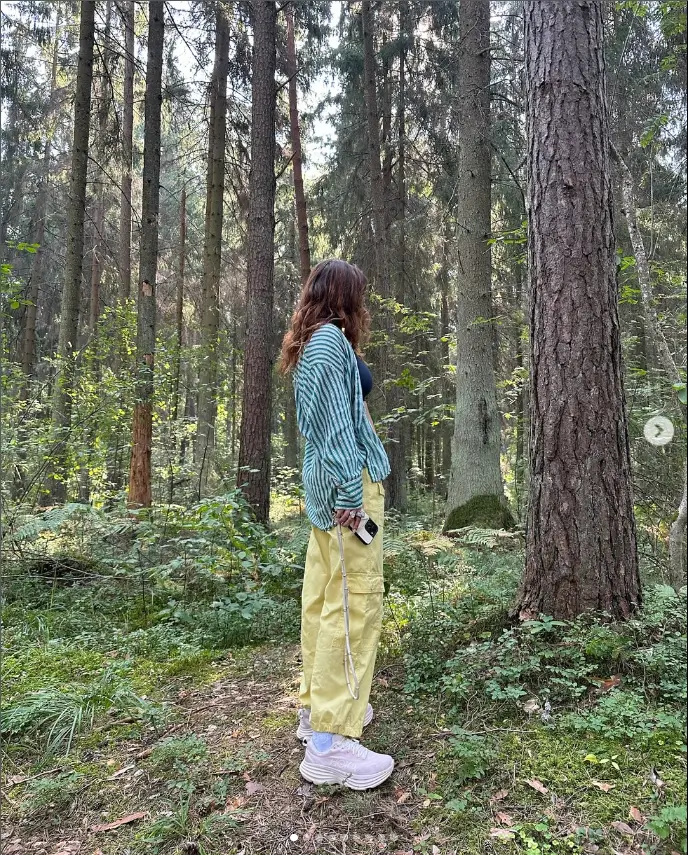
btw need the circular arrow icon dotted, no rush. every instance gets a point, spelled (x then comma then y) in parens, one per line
(658, 430)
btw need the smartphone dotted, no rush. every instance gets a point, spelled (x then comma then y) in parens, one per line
(367, 529)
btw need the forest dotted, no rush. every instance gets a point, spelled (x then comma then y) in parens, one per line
(510, 175)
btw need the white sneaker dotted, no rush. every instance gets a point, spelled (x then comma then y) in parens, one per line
(347, 762)
(305, 731)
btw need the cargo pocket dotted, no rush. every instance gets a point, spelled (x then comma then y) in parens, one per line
(366, 591)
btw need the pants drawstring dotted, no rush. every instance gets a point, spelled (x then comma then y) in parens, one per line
(349, 667)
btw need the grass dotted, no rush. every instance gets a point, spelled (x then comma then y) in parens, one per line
(179, 710)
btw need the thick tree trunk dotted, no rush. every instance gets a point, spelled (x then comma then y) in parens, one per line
(212, 252)
(581, 542)
(256, 415)
(475, 490)
(56, 483)
(140, 481)
(296, 158)
(127, 7)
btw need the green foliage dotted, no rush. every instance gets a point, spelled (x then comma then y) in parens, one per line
(471, 755)
(58, 716)
(670, 826)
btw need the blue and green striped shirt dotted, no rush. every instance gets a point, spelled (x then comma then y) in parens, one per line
(340, 441)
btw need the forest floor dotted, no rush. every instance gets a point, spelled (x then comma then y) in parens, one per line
(483, 766)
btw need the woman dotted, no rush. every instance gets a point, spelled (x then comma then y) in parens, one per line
(343, 469)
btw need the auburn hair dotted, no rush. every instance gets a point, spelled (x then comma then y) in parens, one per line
(334, 292)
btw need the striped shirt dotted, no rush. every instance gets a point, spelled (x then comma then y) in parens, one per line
(340, 441)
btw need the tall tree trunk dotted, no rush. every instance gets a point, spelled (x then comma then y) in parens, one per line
(581, 543)
(178, 338)
(296, 161)
(677, 539)
(291, 431)
(100, 212)
(140, 482)
(56, 484)
(127, 7)
(38, 266)
(396, 484)
(212, 251)
(448, 388)
(256, 413)
(475, 490)
(653, 327)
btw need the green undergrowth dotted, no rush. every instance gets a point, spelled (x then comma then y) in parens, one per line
(543, 737)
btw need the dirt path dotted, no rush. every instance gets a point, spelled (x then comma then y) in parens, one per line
(250, 774)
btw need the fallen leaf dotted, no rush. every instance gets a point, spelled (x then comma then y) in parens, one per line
(435, 850)
(609, 684)
(253, 787)
(537, 785)
(125, 820)
(69, 847)
(531, 706)
(403, 798)
(502, 834)
(121, 771)
(499, 796)
(623, 828)
(505, 818)
(602, 785)
(636, 816)
(305, 790)
(235, 803)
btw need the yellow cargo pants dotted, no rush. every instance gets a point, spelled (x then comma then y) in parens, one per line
(323, 686)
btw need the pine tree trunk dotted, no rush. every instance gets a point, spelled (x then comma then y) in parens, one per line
(581, 544)
(140, 481)
(212, 251)
(127, 7)
(475, 490)
(256, 414)
(178, 339)
(396, 491)
(56, 484)
(296, 161)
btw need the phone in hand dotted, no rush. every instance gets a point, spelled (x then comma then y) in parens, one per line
(367, 529)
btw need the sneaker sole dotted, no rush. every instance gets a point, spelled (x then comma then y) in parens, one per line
(303, 734)
(317, 775)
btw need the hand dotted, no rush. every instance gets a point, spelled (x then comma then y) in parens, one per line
(350, 517)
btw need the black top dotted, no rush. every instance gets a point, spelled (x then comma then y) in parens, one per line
(366, 377)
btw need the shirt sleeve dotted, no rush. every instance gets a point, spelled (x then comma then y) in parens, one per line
(333, 432)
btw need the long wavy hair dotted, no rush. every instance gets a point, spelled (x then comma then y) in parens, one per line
(334, 292)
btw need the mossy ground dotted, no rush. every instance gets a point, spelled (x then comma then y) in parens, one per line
(218, 773)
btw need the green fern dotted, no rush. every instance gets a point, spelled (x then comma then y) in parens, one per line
(51, 521)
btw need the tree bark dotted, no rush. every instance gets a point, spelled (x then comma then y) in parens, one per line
(127, 150)
(475, 490)
(56, 484)
(253, 475)
(652, 325)
(37, 268)
(296, 157)
(140, 481)
(677, 540)
(178, 339)
(396, 491)
(581, 542)
(212, 251)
